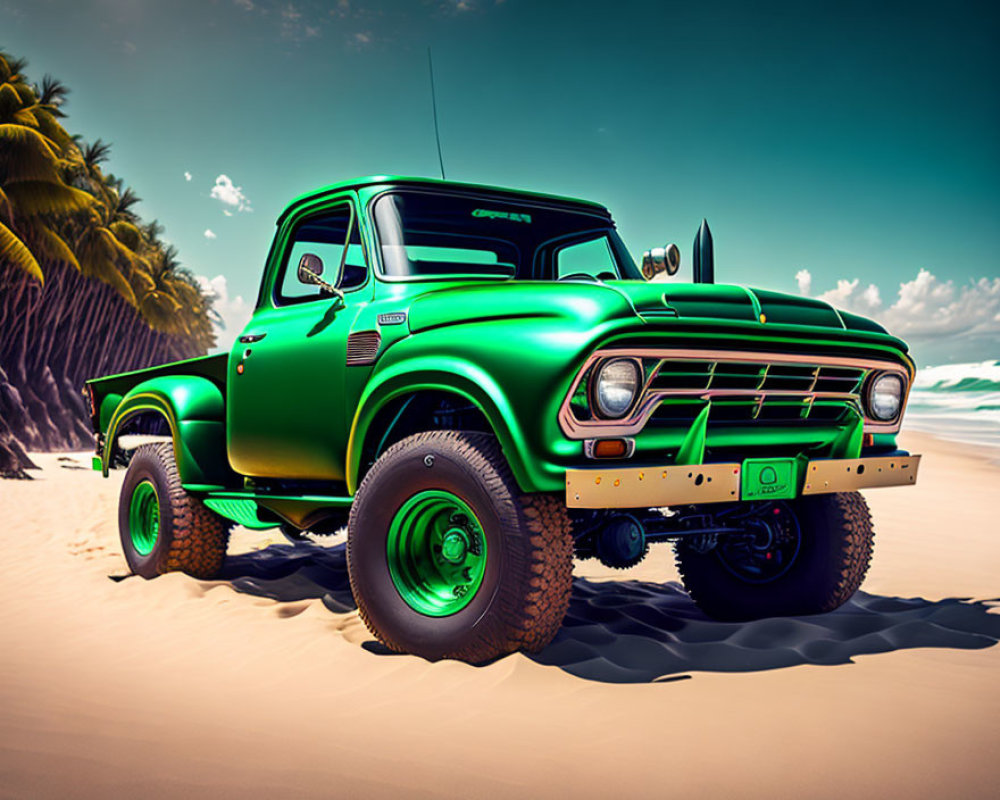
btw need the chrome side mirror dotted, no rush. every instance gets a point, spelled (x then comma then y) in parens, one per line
(310, 268)
(661, 259)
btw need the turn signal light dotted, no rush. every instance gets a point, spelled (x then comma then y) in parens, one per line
(610, 448)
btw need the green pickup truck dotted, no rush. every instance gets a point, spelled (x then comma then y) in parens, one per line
(482, 385)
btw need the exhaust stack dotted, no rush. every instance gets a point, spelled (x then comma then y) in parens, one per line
(704, 256)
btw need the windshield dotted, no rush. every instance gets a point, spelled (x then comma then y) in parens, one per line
(426, 235)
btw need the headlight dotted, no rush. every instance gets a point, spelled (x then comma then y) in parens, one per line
(885, 396)
(615, 386)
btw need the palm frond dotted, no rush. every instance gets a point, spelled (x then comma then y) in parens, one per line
(14, 251)
(49, 245)
(32, 197)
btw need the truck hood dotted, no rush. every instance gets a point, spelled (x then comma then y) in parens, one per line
(586, 304)
(728, 302)
(576, 302)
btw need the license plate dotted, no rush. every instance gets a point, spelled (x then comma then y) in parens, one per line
(770, 479)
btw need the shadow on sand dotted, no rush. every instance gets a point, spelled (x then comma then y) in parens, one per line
(635, 632)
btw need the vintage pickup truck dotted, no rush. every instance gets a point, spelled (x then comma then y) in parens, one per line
(485, 385)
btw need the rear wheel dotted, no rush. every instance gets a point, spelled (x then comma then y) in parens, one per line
(162, 527)
(448, 559)
(805, 556)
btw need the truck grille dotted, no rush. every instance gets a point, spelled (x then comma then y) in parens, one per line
(741, 389)
(756, 390)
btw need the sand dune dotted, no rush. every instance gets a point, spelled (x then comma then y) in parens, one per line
(266, 682)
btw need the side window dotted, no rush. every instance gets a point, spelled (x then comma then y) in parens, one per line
(587, 258)
(325, 236)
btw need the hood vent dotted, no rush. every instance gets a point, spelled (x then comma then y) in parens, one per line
(362, 347)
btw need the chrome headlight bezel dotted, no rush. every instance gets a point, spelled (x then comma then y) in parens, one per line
(878, 388)
(633, 384)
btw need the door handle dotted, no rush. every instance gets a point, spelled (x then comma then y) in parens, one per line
(250, 338)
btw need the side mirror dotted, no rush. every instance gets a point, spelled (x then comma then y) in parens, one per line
(661, 259)
(310, 268)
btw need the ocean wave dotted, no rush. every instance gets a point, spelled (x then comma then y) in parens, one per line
(980, 376)
(960, 402)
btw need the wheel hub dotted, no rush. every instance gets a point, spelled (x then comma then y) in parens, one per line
(436, 553)
(144, 518)
(454, 546)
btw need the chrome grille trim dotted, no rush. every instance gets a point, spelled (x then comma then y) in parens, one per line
(820, 371)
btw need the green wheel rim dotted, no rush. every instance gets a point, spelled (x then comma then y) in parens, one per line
(144, 518)
(436, 552)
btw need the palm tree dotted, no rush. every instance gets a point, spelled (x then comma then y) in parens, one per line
(80, 273)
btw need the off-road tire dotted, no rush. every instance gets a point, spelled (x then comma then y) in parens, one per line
(836, 549)
(191, 538)
(528, 574)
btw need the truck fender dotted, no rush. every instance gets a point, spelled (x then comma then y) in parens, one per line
(446, 375)
(195, 412)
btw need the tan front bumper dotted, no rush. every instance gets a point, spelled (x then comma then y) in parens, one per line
(654, 487)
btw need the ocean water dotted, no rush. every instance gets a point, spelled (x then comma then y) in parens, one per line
(960, 402)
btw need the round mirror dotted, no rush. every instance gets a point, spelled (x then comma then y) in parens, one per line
(661, 259)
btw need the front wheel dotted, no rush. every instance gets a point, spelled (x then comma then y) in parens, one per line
(162, 527)
(447, 559)
(797, 557)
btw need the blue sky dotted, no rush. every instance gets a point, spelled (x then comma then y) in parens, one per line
(848, 150)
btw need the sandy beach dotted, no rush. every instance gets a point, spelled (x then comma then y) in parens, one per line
(266, 683)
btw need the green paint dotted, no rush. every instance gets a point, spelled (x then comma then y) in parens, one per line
(692, 449)
(144, 518)
(436, 551)
(242, 512)
(849, 441)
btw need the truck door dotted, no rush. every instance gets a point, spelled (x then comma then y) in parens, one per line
(287, 409)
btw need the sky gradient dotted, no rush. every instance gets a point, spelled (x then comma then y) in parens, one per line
(824, 142)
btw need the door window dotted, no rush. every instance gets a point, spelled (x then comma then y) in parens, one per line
(324, 236)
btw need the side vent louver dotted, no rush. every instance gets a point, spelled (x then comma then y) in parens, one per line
(362, 347)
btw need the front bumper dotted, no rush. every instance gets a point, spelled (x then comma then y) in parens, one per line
(754, 479)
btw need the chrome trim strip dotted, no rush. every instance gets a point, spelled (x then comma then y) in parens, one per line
(650, 398)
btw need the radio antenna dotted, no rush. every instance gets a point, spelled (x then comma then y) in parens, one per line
(434, 109)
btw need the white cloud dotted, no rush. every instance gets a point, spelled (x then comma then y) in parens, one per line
(227, 212)
(230, 195)
(246, 5)
(847, 295)
(232, 312)
(209, 234)
(360, 40)
(804, 279)
(925, 309)
(187, 175)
